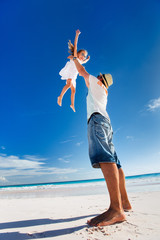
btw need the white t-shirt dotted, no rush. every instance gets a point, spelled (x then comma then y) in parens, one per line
(97, 98)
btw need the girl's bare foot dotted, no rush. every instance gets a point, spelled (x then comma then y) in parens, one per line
(72, 108)
(59, 101)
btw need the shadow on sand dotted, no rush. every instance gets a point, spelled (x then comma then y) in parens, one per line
(37, 222)
(47, 234)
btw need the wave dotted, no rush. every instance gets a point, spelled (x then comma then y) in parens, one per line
(137, 180)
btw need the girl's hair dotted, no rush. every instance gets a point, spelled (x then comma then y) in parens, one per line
(71, 48)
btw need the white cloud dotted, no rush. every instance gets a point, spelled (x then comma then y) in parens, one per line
(22, 173)
(34, 158)
(65, 159)
(19, 163)
(78, 144)
(3, 179)
(28, 166)
(62, 170)
(153, 105)
(130, 138)
(116, 131)
(66, 141)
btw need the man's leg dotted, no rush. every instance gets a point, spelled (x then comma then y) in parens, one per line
(115, 212)
(125, 201)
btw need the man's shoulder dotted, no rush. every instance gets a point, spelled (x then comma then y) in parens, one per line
(92, 78)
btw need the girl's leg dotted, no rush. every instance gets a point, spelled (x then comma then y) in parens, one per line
(66, 87)
(73, 90)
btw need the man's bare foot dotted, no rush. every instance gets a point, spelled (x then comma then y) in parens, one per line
(72, 108)
(107, 218)
(59, 101)
(127, 206)
(127, 209)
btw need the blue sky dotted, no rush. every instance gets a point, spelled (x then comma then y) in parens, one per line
(42, 142)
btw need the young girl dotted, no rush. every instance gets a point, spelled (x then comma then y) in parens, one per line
(69, 72)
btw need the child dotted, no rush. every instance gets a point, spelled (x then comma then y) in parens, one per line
(69, 72)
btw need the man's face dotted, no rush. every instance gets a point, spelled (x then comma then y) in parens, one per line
(100, 78)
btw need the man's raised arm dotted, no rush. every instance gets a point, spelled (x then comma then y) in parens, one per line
(81, 70)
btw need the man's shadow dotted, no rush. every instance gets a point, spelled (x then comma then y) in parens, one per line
(47, 234)
(36, 222)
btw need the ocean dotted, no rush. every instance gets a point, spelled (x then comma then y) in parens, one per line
(136, 183)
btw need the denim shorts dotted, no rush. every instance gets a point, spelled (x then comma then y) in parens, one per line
(101, 148)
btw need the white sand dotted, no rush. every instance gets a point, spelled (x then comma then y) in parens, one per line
(65, 218)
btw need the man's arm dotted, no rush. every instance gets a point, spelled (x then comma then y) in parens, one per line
(81, 70)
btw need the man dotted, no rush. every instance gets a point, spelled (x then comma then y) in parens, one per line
(101, 149)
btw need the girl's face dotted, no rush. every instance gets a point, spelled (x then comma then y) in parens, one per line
(82, 55)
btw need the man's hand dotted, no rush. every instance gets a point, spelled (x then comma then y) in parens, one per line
(70, 57)
(81, 70)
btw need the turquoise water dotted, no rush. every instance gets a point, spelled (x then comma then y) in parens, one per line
(144, 179)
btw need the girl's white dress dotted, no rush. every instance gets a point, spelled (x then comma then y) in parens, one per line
(70, 71)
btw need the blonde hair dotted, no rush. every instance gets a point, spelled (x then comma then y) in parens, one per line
(71, 48)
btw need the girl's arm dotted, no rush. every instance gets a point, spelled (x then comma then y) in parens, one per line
(75, 42)
(86, 60)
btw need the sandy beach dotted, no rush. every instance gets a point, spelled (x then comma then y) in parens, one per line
(62, 218)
